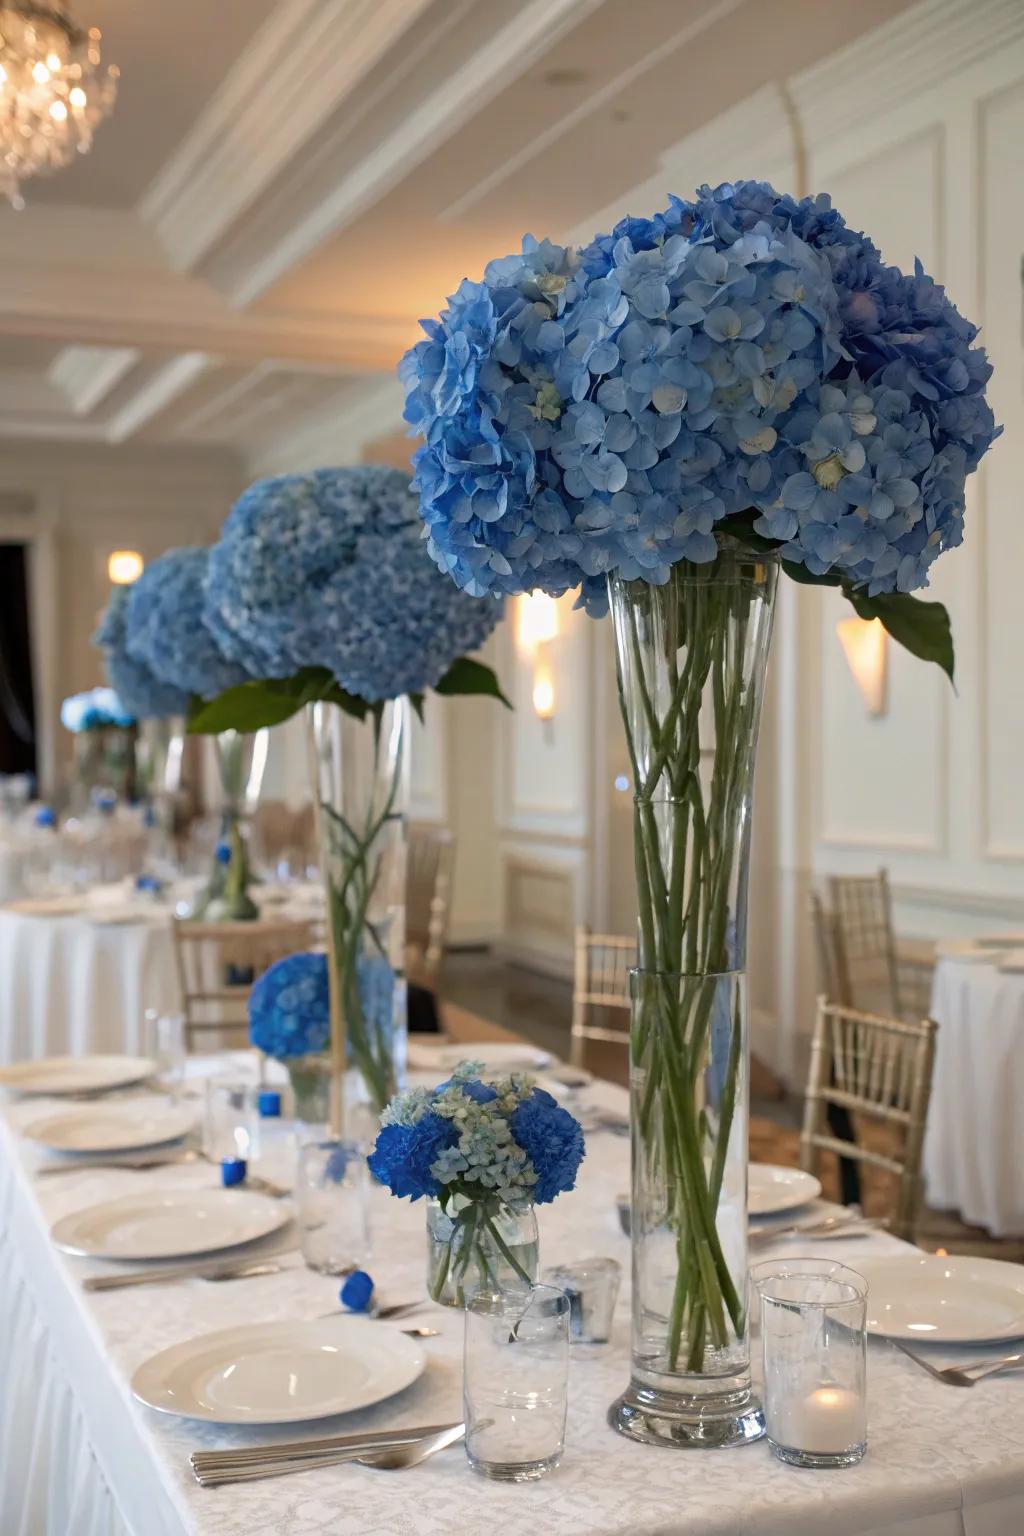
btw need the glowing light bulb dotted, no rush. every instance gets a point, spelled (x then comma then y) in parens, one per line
(40, 73)
(58, 111)
(543, 692)
(124, 566)
(53, 62)
(77, 97)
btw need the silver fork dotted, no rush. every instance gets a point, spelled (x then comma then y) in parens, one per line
(960, 1375)
(395, 1448)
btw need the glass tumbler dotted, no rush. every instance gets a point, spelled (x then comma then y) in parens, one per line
(813, 1316)
(332, 1206)
(164, 1042)
(229, 1117)
(592, 1286)
(515, 1381)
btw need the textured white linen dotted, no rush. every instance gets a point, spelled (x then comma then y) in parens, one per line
(941, 1462)
(974, 1141)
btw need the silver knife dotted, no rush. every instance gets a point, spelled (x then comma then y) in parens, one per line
(206, 1461)
(236, 1271)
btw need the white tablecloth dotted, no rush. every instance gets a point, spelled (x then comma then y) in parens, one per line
(82, 983)
(941, 1462)
(974, 1143)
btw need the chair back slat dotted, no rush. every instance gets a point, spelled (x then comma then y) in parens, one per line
(603, 962)
(219, 962)
(880, 1067)
(429, 869)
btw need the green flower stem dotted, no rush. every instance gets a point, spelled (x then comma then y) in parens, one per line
(687, 836)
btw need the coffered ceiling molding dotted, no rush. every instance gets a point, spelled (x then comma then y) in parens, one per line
(175, 314)
(86, 375)
(298, 69)
(323, 192)
(336, 433)
(160, 391)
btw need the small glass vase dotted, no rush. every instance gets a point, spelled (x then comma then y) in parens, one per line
(691, 658)
(360, 773)
(480, 1245)
(310, 1077)
(241, 760)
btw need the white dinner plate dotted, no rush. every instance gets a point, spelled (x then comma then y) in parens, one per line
(76, 1074)
(498, 1056)
(112, 1127)
(771, 1188)
(280, 1373)
(933, 1298)
(169, 1224)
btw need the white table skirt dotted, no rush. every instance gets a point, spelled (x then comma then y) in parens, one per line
(940, 1462)
(974, 1141)
(71, 985)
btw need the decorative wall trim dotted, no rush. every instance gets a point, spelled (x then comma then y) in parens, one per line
(977, 903)
(300, 66)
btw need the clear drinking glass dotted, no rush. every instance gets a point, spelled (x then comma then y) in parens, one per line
(332, 1205)
(592, 1286)
(164, 1043)
(813, 1335)
(229, 1117)
(515, 1381)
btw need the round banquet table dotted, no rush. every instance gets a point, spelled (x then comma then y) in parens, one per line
(974, 1141)
(80, 982)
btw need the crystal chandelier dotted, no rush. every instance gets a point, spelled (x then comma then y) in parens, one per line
(53, 91)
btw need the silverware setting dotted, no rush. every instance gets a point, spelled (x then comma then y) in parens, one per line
(828, 1226)
(387, 1450)
(961, 1375)
(221, 1271)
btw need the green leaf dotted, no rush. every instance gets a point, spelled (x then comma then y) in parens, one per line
(924, 628)
(467, 676)
(416, 700)
(269, 701)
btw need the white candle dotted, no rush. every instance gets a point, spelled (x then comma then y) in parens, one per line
(826, 1422)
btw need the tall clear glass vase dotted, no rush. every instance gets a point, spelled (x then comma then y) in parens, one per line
(691, 659)
(159, 747)
(241, 761)
(360, 778)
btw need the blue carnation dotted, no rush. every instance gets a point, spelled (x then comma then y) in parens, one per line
(290, 1008)
(553, 1141)
(330, 570)
(144, 695)
(404, 1154)
(165, 630)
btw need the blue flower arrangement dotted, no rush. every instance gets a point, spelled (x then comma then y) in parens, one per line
(145, 695)
(478, 1149)
(290, 1008)
(743, 363)
(164, 628)
(94, 710)
(328, 570)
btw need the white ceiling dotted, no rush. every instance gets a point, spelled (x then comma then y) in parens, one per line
(287, 185)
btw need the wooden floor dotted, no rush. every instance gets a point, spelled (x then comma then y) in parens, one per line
(539, 1009)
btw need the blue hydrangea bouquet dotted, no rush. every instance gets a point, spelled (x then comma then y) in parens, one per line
(102, 726)
(321, 589)
(290, 1019)
(483, 1154)
(664, 420)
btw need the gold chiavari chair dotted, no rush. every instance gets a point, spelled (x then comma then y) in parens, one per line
(219, 962)
(865, 948)
(428, 884)
(603, 962)
(879, 1069)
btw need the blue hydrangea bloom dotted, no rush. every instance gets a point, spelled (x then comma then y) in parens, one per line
(143, 694)
(553, 1141)
(404, 1155)
(605, 411)
(290, 1009)
(330, 569)
(92, 710)
(165, 630)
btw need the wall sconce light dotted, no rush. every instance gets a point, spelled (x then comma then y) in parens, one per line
(125, 566)
(536, 622)
(866, 651)
(543, 691)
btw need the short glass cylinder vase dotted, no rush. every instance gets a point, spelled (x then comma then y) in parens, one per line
(479, 1245)
(332, 1207)
(310, 1077)
(814, 1338)
(515, 1382)
(360, 770)
(690, 659)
